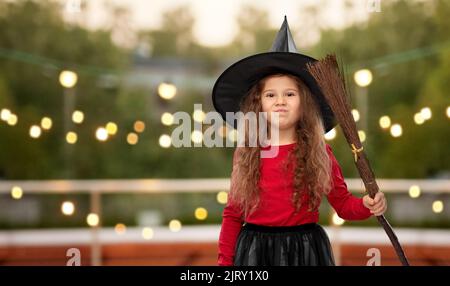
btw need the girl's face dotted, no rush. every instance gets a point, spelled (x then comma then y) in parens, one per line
(281, 95)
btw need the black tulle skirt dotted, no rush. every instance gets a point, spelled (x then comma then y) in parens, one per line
(301, 245)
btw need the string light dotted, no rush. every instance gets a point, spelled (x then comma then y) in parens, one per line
(120, 228)
(233, 135)
(16, 192)
(92, 219)
(175, 225)
(414, 191)
(78, 116)
(222, 197)
(396, 130)
(71, 137)
(165, 141)
(101, 134)
(68, 79)
(167, 119)
(111, 128)
(355, 114)
(5, 114)
(167, 91)
(139, 126)
(12, 120)
(447, 111)
(147, 233)
(198, 115)
(67, 208)
(201, 213)
(426, 113)
(46, 123)
(197, 136)
(132, 138)
(363, 77)
(418, 118)
(362, 135)
(35, 131)
(385, 122)
(438, 206)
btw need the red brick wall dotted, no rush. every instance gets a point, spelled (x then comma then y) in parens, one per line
(200, 254)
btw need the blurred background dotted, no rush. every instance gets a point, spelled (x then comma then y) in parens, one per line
(88, 89)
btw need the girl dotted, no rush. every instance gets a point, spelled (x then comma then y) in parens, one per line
(272, 211)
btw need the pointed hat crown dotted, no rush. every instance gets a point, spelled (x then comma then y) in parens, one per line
(283, 41)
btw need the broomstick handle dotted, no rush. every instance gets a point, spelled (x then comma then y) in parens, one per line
(394, 240)
(371, 185)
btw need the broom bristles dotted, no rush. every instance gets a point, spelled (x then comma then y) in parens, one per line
(331, 81)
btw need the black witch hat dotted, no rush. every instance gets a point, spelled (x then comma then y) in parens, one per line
(235, 82)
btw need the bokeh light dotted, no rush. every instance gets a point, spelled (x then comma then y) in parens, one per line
(175, 225)
(363, 77)
(414, 191)
(101, 134)
(35, 131)
(201, 213)
(77, 116)
(385, 122)
(16, 192)
(222, 197)
(68, 79)
(132, 138)
(165, 141)
(67, 208)
(167, 91)
(71, 137)
(92, 219)
(396, 130)
(46, 123)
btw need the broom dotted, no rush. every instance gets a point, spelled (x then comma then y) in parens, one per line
(330, 80)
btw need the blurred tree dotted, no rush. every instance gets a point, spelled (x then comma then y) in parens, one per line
(175, 37)
(255, 34)
(35, 45)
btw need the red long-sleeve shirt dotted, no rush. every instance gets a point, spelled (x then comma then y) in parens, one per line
(276, 208)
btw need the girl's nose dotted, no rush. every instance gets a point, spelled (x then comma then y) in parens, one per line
(280, 100)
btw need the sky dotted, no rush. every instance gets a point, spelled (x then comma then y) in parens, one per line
(215, 23)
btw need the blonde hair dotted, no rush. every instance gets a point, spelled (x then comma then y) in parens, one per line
(312, 174)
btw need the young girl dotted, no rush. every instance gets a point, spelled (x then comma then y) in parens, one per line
(272, 211)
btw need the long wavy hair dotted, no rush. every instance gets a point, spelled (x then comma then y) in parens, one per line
(312, 174)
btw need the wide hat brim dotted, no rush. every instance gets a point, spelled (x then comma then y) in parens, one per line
(235, 82)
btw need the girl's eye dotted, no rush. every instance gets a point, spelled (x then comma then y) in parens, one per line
(269, 94)
(291, 94)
